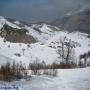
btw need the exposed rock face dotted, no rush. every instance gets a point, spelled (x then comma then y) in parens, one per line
(16, 35)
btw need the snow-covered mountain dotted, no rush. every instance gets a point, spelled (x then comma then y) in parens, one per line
(78, 21)
(45, 48)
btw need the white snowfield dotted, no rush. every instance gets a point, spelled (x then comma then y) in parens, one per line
(45, 49)
(67, 79)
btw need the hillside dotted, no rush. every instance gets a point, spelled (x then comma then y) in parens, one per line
(75, 22)
(41, 42)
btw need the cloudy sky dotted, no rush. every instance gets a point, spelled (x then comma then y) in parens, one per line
(38, 10)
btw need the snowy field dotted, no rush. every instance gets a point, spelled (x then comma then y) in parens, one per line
(67, 79)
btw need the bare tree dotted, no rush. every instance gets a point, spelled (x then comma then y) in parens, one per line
(43, 64)
(66, 50)
(35, 67)
(84, 57)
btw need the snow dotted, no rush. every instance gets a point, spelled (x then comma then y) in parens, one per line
(41, 50)
(46, 33)
(4, 21)
(17, 22)
(77, 79)
(12, 25)
(67, 79)
(79, 38)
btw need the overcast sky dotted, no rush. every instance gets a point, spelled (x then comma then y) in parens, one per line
(38, 10)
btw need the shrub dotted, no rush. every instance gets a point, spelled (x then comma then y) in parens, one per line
(35, 67)
(88, 64)
(17, 54)
(28, 46)
(8, 46)
(81, 64)
(51, 72)
(9, 72)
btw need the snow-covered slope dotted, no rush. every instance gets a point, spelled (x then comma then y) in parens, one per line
(80, 39)
(41, 32)
(4, 21)
(46, 47)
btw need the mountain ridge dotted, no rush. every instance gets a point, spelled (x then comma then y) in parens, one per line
(77, 22)
(48, 41)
